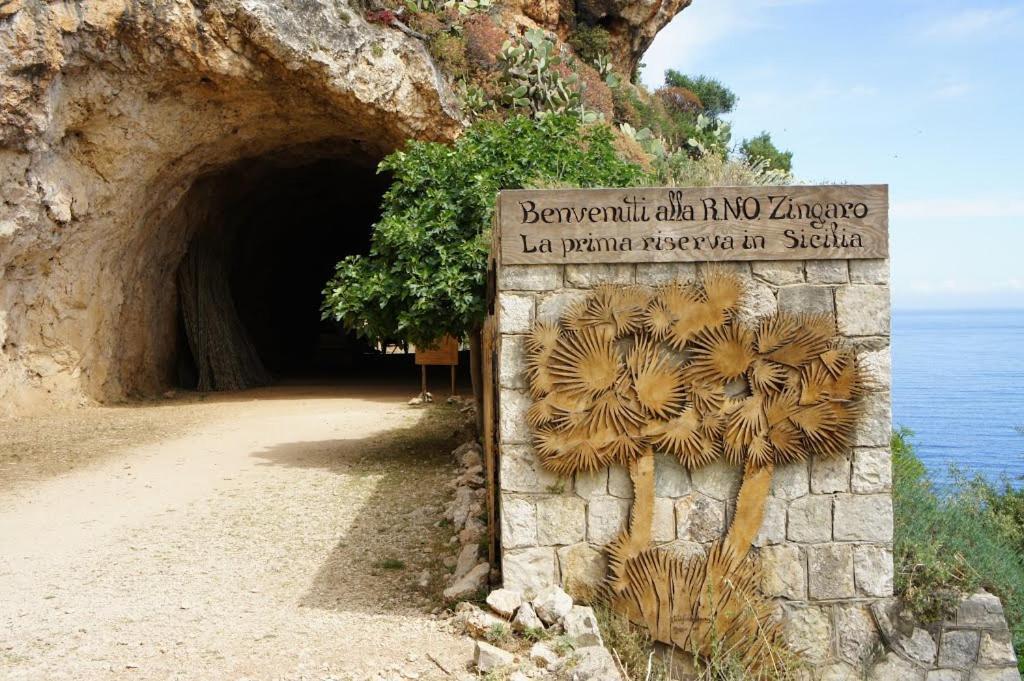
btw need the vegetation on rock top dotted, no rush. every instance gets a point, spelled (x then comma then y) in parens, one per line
(544, 113)
(424, 276)
(952, 542)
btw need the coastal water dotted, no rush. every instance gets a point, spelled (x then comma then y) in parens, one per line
(958, 382)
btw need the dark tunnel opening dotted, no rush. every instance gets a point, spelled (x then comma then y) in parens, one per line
(293, 227)
(266, 234)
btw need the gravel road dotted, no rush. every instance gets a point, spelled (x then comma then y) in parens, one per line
(280, 534)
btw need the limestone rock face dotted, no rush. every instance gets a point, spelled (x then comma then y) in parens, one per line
(109, 112)
(117, 117)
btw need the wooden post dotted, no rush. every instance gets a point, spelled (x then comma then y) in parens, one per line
(453, 380)
(423, 382)
(490, 449)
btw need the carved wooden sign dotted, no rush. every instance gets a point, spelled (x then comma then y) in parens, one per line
(445, 354)
(666, 224)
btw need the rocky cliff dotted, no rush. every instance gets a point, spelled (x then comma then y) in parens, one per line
(111, 110)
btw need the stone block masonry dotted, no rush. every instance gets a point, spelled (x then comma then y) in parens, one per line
(826, 541)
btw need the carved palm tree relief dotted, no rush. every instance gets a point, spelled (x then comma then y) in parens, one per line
(627, 372)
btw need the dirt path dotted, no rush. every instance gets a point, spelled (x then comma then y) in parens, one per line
(283, 537)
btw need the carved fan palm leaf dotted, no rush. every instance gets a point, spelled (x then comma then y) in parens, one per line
(708, 398)
(678, 298)
(801, 349)
(817, 422)
(692, 320)
(540, 380)
(598, 314)
(585, 363)
(565, 452)
(787, 442)
(760, 452)
(848, 383)
(821, 325)
(540, 344)
(572, 317)
(834, 360)
(721, 354)
(615, 412)
(684, 438)
(712, 423)
(779, 406)
(768, 376)
(658, 320)
(722, 291)
(540, 413)
(837, 440)
(628, 306)
(627, 446)
(542, 341)
(775, 331)
(818, 382)
(659, 385)
(556, 407)
(551, 442)
(745, 424)
(815, 383)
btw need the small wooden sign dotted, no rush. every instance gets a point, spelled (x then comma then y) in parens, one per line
(666, 224)
(445, 354)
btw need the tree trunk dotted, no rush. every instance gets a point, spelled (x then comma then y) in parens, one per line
(637, 537)
(753, 496)
(224, 355)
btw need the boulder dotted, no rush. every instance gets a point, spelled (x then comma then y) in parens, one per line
(473, 532)
(461, 508)
(487, 658)
(526, 618)
(552, 604)
(594, 663)
(543, 656)
(474, 621)
(504, 601)
(467, 560)
(580, 624)
(469, 584)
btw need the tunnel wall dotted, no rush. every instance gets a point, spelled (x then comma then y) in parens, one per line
(110, 114)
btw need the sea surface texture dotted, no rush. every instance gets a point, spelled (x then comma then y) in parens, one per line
(958, 383)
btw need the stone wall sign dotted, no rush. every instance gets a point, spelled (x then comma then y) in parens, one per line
(666, 224)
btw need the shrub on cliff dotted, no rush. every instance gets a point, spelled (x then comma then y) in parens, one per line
(761, 147)
(716, 99)
(424, 275)
(949, 542)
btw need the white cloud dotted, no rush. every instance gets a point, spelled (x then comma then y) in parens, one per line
(703, 24)
(958, 294)
(980, 207)
(952, 90)
(693, 30)
(969, 23)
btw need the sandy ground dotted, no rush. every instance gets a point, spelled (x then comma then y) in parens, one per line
(279, 534)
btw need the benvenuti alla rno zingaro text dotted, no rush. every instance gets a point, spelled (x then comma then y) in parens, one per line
(823, 224)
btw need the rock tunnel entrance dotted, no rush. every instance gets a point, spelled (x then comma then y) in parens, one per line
(265, 234)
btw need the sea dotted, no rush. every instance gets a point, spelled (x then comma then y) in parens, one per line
(958, 383)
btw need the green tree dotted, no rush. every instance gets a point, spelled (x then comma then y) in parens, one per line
(714, 97)
(425, 273)
(762, 148)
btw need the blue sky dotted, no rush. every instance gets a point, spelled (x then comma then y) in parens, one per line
(925, 96)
